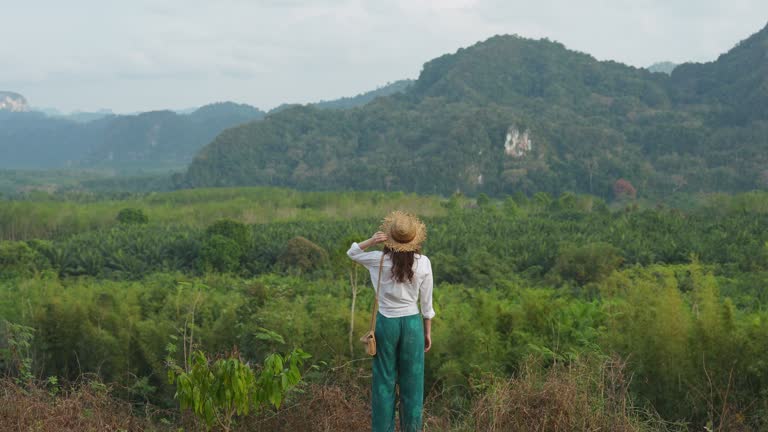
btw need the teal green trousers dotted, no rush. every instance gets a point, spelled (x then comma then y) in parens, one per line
(399, 360)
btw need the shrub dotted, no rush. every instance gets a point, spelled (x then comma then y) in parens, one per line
(236, 231)
(221, 254)
(218, 391)
(588, 263)
(302, 255)
(132, 216)
(17, 259)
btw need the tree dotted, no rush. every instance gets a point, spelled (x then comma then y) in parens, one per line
(623, 189)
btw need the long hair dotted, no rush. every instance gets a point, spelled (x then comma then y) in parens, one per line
(402, 265)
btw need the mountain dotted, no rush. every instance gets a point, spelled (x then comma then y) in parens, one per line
(158, 139)
(737, 80)
(363, 98)
(353, 101)
(663, 67)
(516, 115)
(14, 102)
(88, 116)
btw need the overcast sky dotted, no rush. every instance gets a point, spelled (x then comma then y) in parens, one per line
(138, 55)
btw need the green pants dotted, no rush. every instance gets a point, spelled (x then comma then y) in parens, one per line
(399, 359)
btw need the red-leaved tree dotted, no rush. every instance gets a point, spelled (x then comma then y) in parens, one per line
(623, 189)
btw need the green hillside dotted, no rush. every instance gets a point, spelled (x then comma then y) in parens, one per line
(511, 114)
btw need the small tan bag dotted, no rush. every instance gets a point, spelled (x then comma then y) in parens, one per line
(369, 339)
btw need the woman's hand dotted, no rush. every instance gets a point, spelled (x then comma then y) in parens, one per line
(427, 342)
(378, 237)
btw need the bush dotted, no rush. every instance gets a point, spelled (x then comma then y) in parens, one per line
(17, 259)
(132, 216)
(236, 231)
(221, 254)
(589, 263)
(301, 255)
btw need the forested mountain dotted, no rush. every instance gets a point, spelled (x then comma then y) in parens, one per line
(363, 98)
(353, 101)
(664, 67)
(147, 140)
(511, 114)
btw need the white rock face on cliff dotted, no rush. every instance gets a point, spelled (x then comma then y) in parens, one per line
(13, 102)
(517, 144)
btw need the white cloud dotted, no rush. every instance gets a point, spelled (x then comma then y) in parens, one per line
(148, 54)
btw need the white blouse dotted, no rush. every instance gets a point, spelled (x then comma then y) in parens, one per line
(398, 299)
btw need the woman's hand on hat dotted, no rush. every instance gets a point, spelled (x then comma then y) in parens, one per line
(379, 237)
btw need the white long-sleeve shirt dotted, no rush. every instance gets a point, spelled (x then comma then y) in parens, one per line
(398, 299)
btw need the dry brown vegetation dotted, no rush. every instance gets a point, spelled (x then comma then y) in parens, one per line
(563, 398)
(584, 396)
(87, 408)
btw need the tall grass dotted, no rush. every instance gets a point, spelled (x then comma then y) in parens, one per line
(42, 219)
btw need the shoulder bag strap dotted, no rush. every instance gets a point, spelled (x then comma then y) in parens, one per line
(376, 295)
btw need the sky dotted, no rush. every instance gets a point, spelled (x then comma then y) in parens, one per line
(141, 55)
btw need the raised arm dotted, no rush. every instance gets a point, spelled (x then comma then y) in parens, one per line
(378, 237)
(358, 254)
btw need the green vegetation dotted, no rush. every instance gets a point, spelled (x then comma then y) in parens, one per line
(363, 98)
(545, 305)
(218, 391)
(589, 124)
(45, 216)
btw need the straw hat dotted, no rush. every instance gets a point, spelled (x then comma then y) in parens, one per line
(405, 232)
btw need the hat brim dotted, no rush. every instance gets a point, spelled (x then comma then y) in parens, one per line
(415, 243)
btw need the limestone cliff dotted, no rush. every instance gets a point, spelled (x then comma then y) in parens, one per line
(14, 102)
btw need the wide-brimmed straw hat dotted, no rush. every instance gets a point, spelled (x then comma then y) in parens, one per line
(405, 232)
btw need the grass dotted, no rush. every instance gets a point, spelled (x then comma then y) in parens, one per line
(588, 395)
(48, 218)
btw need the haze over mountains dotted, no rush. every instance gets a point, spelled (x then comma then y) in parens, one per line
(511, 114)
(152, 140)
(505, 115)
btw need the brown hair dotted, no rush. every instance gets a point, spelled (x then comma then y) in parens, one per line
(402, 264)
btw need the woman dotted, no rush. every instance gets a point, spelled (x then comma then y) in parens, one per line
(403, 334)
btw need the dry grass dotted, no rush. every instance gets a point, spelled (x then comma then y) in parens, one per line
(585, 396)
(579, 397)
(321, 408)
(87, 408)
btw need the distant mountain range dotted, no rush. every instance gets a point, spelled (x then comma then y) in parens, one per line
(151, 140)
(514, 115)
(156, 140)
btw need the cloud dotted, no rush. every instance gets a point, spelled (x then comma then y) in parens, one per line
(146, 54)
